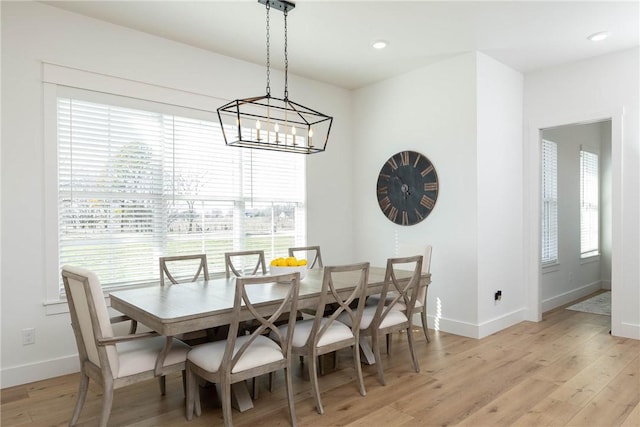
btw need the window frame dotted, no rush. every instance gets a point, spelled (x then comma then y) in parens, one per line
(553, 201)
(58, 80)
(593, 253)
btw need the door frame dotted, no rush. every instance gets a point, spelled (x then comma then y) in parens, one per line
(531, 202)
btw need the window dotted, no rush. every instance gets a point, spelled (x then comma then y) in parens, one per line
(135, 184)
(589, 197)
(549, 227)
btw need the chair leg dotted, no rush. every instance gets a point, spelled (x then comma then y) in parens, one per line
(107, 402)
(356, 358)
(413, 352)
(82, 395)
(163, 385)
(313, 378)
(289, 389)
(389, 340)
(191, 393)
(425, 329)
(225, 387)
(376, 353)
(254, 387)
(271, 374)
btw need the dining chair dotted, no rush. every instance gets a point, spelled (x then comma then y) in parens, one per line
(247, 356)
(421, 300)
(179, 269)
(310, 252)
(322, 335)
(385, 318)
(246, 263)
(111, 361)
(182, 267)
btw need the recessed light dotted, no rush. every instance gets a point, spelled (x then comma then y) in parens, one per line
(379, 44)
(596, 37)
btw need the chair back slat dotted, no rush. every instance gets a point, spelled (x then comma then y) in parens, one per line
(235, 263)
(310, 252)
(182, 266)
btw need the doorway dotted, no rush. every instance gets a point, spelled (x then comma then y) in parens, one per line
(576, 212)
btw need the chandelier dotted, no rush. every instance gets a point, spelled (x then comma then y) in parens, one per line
(271, 123)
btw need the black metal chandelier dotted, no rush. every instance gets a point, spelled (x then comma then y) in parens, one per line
(270, 123)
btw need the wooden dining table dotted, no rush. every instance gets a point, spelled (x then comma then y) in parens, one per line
(177, 309)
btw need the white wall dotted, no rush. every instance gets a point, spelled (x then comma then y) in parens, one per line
(33, 32)
(465, 115)
(499, 187)
(572, 277)
(599, 88)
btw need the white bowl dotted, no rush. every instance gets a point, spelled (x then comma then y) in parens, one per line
(286, 270)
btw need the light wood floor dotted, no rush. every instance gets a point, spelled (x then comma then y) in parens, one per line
(563, 371)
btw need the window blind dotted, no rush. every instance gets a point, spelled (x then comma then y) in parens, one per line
(549, 214)
(134, 185)
(589, 201)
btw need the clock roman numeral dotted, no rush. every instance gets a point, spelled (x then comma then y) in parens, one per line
(385, 204)
(405, 218)
(392, 163)
(420, 217)
(427, 171)
(415, 164)
(393, 214)
(427, 202)
(404, 157)
(430, 186)
(383, 190)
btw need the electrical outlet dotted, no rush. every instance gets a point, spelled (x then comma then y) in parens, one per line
(28, 336)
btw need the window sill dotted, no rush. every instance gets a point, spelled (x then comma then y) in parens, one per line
(590, 259)
(551, 267)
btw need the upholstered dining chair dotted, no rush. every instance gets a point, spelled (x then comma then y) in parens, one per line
(111, 361)
(384, 318)
(322, 335)
(247, 356)
(310, 253)
(183, 266)
(246, 263)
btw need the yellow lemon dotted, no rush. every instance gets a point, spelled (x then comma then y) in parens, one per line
(292, 261)
(302, 262)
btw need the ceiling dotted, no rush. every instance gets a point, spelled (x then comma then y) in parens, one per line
(330, 41)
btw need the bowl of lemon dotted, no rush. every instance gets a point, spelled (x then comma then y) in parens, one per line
(289, 265)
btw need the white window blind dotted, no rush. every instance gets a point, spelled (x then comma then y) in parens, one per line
(589, 201)
(134, 185)
(549, 214)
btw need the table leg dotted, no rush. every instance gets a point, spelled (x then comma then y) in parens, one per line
(163, 354)
(367, 352)
(240, 397)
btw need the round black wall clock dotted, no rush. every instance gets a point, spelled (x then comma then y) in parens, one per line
(407, 188)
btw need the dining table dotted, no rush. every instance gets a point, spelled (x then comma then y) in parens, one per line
(172, 310)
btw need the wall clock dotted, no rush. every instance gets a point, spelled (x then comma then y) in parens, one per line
(407, 188)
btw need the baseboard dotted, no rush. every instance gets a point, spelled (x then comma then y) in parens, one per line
(567, 297)
(502, 322)
(626, 330)
(605, 284)
(23, 374)
(471, 330)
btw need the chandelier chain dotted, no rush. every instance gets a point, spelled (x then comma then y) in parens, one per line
(286, 59)
(268, 54)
